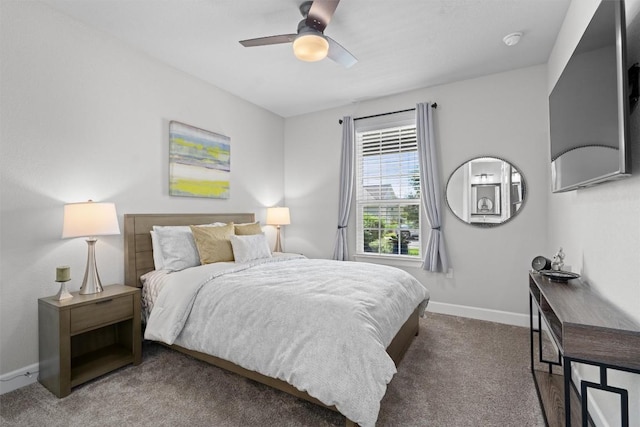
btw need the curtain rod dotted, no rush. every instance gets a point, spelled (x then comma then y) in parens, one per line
(434, 105)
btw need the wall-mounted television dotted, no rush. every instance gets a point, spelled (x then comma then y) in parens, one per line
(589, 106)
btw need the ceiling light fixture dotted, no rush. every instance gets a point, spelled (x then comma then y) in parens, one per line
(512, 39)
(310, 47)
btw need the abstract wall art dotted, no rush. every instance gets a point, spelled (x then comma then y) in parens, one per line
(199, 162)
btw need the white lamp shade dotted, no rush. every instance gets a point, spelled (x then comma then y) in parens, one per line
(278, 216)
(310, 47)
(89, 219)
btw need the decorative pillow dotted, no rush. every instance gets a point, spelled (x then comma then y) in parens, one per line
(177, 247)
(213, 243)
(158, 262)
(248, 229)
(251, 247)
(174, 248)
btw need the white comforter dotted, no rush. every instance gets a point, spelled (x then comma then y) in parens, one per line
(322, 326)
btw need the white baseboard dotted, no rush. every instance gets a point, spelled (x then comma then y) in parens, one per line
(490, 315)
(515, 319)
(28, 375)
(18, 378)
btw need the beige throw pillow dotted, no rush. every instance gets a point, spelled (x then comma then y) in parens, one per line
(213, 243)
(248, 229)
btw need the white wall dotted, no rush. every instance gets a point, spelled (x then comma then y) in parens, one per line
(502, 115)
(599, 227)
(85, 117)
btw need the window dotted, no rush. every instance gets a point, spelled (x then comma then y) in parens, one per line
(388, 191)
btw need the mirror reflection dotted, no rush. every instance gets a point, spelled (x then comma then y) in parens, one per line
(486, 191)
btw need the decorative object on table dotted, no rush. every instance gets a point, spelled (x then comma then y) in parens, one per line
(90, 219)
(199, 162)
(558, 260)
(559, 276)
(278, 216)
(540, 263)
(63, 275)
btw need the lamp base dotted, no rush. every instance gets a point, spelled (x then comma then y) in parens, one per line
(278, 247)
(91, 282)
(62, 293)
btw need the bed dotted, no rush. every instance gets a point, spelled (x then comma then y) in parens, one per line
(139, 261)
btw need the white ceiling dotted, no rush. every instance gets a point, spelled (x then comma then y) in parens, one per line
(400, 44)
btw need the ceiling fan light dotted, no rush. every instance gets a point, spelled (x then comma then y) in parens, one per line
(512, 39)
(310, 47)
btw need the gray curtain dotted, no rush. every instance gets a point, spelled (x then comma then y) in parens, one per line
(341, 251)
(435, 253)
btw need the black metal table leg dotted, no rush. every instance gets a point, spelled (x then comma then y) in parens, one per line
(567, 390)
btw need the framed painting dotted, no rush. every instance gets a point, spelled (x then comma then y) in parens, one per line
(199, 162)
(485, 199)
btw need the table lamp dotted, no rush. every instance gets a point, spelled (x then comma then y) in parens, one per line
(278, 216)
(90, 219)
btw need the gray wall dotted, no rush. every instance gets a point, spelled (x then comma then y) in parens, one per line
(502, 115)
(84, 117)
(599, 227)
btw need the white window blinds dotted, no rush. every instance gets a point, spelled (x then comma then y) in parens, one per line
(388, 191)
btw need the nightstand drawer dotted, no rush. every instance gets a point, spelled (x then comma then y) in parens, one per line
(100, 313)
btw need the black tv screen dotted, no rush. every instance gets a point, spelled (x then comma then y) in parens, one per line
(588, 106)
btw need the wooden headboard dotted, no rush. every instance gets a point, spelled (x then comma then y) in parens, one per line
(138, 255)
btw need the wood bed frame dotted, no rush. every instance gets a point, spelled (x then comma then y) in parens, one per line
(138, 260)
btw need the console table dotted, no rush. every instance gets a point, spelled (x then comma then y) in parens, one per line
(584, 328)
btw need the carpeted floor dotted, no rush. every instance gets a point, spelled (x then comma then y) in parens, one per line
(458, 372)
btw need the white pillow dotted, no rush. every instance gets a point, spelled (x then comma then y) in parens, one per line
(175, 245)
(250, 247)
(157, 251)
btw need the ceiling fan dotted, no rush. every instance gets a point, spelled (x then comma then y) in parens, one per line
(310, 43)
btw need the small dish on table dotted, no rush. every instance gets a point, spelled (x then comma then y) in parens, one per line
(559, 275)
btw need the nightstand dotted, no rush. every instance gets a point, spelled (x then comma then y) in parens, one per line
(87, 336)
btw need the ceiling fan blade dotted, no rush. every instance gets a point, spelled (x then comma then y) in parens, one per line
(264, 41)
(320, 13)
(339, 54)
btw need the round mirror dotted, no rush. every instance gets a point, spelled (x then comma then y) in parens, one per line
(486, 191)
